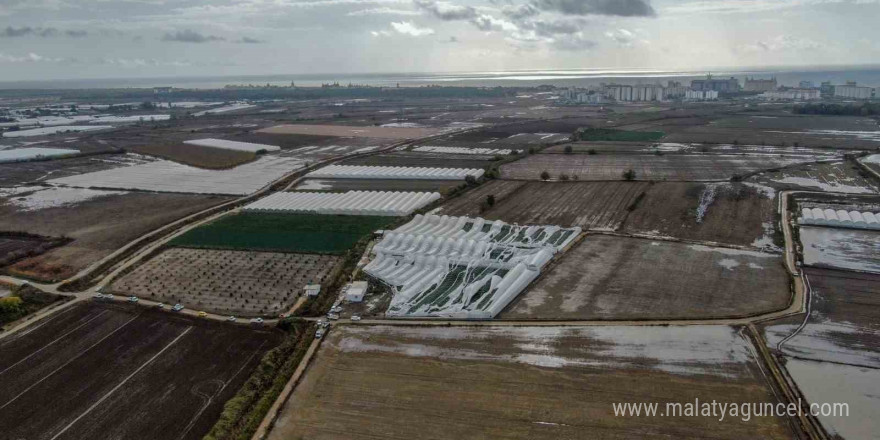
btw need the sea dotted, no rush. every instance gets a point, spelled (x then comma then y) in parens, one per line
(862, 75)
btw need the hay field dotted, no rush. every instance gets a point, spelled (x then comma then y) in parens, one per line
(523, 383)
(196, 155)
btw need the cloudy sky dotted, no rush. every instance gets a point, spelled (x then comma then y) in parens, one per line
(47, 39)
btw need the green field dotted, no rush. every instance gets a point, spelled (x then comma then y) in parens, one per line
(610, 134)
(324, 234)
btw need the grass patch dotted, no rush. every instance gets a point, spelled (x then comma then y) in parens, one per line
(610, 134)
(23, 301)
(322, 234)
(243, 413)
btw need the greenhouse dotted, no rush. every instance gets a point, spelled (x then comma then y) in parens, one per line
(378, 172)
(232, 145)
(380, 203)
(840, 218)
(460, 267)
(463, 150)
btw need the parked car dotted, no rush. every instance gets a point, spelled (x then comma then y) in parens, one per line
(132, 299)
(160, 305)
(231, 319)
(355, 318)
(177, 307)
(336, 309)
(202, 314)
(257, 320)
(319, 333)
(332, 316)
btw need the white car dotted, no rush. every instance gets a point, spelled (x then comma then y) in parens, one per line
(319, 333)
(160, 305)
(231, 319)
(355, 318)
(177, 307)
(332, 316)
(132, 299)
(257, 320)
(336, 309)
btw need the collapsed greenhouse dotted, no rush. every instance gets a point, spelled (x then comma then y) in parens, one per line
(463, 150)
(460, 267)
(380, 203)
(840, 218)
(378, 172)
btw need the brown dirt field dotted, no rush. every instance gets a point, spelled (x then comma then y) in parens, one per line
(837, 176)
(586, 204)
(524, 383)
(285, 141)
(780, 130)
(844, 322)
(473, 202)
(667, 167)
(240, 283)
(119, 371)
(355, 131)
(622, 278)
(98, 227)
(738, 214)
(195, 155)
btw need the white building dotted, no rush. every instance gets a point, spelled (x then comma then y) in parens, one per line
(312, 290)
(355, 291)
(791, 95)
(701, 95)
(625, 93)
(852, 91)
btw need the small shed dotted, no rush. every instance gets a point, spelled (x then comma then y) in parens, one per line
(312, 289)
(355, 291)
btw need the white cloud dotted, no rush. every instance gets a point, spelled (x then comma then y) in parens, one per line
(408, 28)
(382, 11)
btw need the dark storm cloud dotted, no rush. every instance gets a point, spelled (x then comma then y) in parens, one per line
(248, 40)
(25, 31)
(445, 11)
(622, 8)
(190, 36)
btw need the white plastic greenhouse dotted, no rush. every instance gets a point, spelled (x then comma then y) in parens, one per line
(380, 203)
(463, 150)
(459, 267)
(232, 145)
(840, 218)
(377, 172)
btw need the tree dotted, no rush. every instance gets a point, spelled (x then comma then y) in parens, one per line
(568, 149)
(471, 180)
(629, 174)
(563, 177)
(591, 151)
(490, 200)
(545, 175)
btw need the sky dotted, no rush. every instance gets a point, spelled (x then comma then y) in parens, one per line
(50, 39)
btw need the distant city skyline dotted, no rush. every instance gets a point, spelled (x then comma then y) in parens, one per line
(76, 39)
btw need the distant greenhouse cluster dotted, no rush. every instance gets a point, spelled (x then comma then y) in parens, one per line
(379, 203)
(840, 218)
(463, 150)
(378, 172)
(232, 145)
(33, 153)
(460, 267)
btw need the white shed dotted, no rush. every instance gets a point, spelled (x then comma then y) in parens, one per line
(312, 289)
(355, 291)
